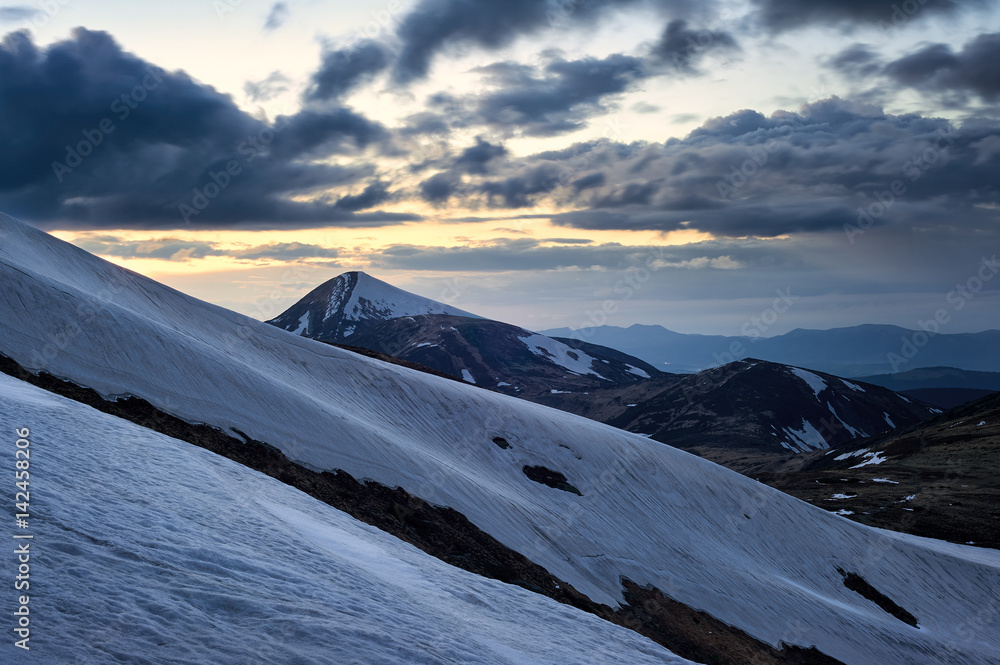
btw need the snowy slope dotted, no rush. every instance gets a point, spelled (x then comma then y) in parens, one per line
(353, 302)
(150, 550)
(715, 540)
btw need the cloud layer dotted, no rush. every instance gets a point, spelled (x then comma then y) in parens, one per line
(93, 136)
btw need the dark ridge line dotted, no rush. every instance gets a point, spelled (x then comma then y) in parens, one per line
(448, 535)
(862, 587)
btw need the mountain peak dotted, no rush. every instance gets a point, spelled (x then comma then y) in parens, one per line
(352, 302)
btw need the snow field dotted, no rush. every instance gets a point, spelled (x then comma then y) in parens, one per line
(151, 550)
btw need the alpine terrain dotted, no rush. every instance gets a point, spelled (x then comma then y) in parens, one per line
(157, 548)
(358, 310)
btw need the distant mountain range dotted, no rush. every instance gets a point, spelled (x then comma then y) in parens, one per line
(944, 387)
(849, 352)
(742, 414)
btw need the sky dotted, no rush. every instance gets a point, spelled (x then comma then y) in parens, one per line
(547, 163)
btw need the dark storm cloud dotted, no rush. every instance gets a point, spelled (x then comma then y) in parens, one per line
(786, 14)
(438, 188)
(815, 170)
(555, 98)
(434, 25)
(938, 68)
(344, 69)
(373, 195)
(476, 158)
(95, 137)
(857, 60)
(589, 181)
(276, 17)
(519, 191)
(682, 47)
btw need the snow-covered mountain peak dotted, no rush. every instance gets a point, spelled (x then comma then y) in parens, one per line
(352, 302)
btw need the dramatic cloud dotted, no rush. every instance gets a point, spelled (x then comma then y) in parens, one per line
(938, 68)
(787, 14)
(344, 69)
(832, 166)
(553, 99)
(476, 158)
(508, 254)
(434, 25)
(683, 47)
(276, 17)
(857, 60)
(95, 137)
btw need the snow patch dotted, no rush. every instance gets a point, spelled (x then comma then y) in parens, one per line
(888, 420)
(854, 433)
(853, 386)
(856, 453)
(871, 458)
(808, 438)
(467, 376)
(560, 354)
(817, 384)
(303, 324)
(638, 372)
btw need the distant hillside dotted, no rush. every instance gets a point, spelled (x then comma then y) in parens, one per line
(939, 479)
(503, 357)
(747, 412)
(857, 351)
(944, 387)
